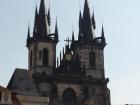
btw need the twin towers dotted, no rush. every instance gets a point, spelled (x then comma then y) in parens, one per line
(77, 78)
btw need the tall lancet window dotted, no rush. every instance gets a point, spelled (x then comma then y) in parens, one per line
(92, 59)
(69, 97)
(31, 58)
(45, 56)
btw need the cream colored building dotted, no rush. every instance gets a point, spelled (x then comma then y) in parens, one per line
(5, 96)
(33, 100)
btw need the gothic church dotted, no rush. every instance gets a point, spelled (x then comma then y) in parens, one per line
(77, 78)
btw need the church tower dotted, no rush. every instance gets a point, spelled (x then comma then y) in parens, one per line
(88, 47)
(42, 50)
(80, 75)
(42, 45)
(78, 78)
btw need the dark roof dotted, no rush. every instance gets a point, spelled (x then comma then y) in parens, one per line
(22, 83)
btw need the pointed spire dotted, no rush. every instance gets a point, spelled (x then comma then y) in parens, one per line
(80, 19)
(35, 30)
(60, 57)
(28, 35)
(102, 35)
(42, 8)
(103, 40)
(86, 23)
(49, 17)
(80, 26)
(63, 52)
(36, 11)
(43, 22)
(86, 7)
(57, 62)
(56, 33)
(93, 21)
(73, 39)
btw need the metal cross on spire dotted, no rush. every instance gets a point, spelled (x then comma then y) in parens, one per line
(68, 40)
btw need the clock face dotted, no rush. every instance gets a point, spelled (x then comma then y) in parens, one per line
(68, 57)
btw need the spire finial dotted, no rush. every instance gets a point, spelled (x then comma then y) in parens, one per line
(35, 30)
(60, 56)
(86, 23)
(48, 15)
(73, 36)
(68, 40)
(43, 21)
(42, 8)
(57, 62)
(56, 32)
(103, 40)
(80, 26)
(80, 19)
(102, 35)
(28, 35)
(93, 20)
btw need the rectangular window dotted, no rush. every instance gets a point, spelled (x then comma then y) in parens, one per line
(92, 59)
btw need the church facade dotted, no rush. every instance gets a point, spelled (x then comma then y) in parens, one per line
(77, 78)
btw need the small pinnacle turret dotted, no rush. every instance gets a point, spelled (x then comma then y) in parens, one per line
(93, 21)
(28, 35)
(73, 39)
(60, 57)
(80, 26)
(49, 17)
(56, 33)
(57, 62)
(35, 30)
(102, 35)
(103, 40)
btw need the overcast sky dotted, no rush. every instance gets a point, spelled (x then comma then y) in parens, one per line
(121, 20)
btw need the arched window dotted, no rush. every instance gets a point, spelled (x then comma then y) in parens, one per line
(31, 58)
(69, 97)
(45, 56)
(92, 59)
